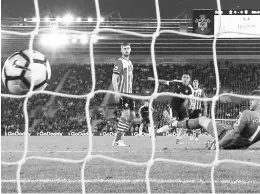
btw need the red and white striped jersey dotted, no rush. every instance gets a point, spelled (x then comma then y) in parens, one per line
(124, 68)
(196, 104)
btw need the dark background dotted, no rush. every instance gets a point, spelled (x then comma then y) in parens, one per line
(127, 8)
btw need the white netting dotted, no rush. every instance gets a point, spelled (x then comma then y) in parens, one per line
(151, 161)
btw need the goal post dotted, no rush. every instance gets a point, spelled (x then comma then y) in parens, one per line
(154, 95)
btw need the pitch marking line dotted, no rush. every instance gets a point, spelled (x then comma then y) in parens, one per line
(85, 151)
(135, 181)
(105, 151)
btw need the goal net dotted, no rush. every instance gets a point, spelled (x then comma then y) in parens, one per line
(154, 95)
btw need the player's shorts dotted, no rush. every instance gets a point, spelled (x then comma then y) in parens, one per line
(180, 112)
(145, 121)
(237, 142)
(126, 103)
(193, 114)
(222, 130)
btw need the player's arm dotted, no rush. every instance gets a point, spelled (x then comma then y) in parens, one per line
(141, 124)
(205, 103)
(115, 79)
(118, 68)
(163, 81)
(236, 131)
(139, 112)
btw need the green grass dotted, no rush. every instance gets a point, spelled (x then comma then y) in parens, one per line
(106, 176)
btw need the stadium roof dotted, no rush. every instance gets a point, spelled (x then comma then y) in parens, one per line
(126, 8)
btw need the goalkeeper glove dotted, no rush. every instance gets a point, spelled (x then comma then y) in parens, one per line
(211, 145)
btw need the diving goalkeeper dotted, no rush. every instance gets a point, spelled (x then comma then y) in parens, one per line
(245, 132)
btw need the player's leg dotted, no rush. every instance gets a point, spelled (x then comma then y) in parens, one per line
(233, 140)
(197, 114)
(132, 110)
(141, 128)
(222, 131)
(123, 123)
(196, 135)
(167, 119)
(148, 126)
(255, 137)
(203, 122)
(191, 130)
(183, 115)
(173, 113)
(149, 129)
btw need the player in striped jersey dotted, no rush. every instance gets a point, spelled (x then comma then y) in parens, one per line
(122, 80)
(195, 110)
(245, 132)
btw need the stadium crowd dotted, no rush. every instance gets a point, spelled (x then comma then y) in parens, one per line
(70, 113)
(12, 117)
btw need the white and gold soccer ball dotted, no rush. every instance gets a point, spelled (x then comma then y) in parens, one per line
(17, 72)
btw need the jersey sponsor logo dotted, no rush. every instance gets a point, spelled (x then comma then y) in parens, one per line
(237, 123)
(115, 68)
(256, 121)
(130, 69)
(19, 66)
(186, 91)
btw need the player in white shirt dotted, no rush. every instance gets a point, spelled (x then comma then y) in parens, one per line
(195, 110)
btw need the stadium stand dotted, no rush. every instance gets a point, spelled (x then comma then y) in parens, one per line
(240, 79)
(70, 113)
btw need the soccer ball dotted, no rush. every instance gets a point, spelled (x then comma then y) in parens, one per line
(18, 71)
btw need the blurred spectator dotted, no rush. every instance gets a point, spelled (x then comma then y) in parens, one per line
(71, 115)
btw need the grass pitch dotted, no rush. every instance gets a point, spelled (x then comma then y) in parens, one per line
(106, 176)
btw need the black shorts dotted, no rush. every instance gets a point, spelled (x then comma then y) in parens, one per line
(180, 112)
(126, 103)
(193, 114)
(145, 121)
(237, 142)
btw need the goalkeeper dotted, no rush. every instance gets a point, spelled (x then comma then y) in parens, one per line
(245, 132)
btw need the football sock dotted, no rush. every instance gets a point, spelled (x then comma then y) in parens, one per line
(141, 129)
(163, 129)
(122, 126)
(197, 134)
(118, 135)
(180, 133)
